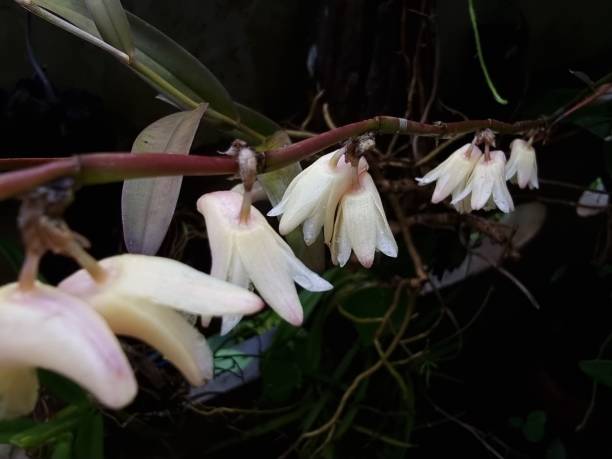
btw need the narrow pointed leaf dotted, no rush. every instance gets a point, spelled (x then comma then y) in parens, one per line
(112, 23)
(174, 66)
(147, 205)
(73, 11)
(183, 70)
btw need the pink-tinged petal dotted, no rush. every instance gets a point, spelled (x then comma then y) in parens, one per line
(360, 217)
(341, 245)
(18, 391)
(141, 279)
(50, 329)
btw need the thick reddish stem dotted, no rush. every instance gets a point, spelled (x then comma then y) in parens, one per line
(112, 167)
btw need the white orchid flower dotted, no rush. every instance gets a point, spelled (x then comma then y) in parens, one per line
(47, 328)
(487, 185)
(252, 252)
(140, 298)
(522, 164)
(361, 225)
(452, 173)
(313, 196)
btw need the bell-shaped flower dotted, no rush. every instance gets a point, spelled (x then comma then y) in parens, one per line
(313, 195)
(251, 252)
(139, 294)
(452, 173)
(522, 165)
(487, 185)
(361, 225)
(47, 328)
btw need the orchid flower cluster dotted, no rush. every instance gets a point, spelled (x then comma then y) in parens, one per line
(477, 180)
(71, 328)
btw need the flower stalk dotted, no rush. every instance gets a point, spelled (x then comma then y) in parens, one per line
(97, 168)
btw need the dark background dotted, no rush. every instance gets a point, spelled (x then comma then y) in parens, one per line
(275, 56)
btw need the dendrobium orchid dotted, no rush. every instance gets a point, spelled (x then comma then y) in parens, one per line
(141, 295)
(250, 251)
(361, 225)
(46, 328)
(451, 175)
(522, 166)
(313, 196)
(487, 185)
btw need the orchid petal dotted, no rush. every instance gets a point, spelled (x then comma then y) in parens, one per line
(50, 329)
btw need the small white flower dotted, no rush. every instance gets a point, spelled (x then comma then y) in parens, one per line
(361, 225)
(487, 185)
(47, 328)
(313, 196)
(452, 173)
(141, 297)
(522, 164)
(252, 252)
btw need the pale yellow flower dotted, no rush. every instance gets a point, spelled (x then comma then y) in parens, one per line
(252, 252)
(47, 328)
(141, 296)
(361, 225)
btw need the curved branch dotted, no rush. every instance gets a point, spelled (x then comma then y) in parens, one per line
(96, 168)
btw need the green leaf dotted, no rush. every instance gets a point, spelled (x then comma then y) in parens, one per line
(176, 70)
(73, 11)
(281, 375)
(534, 427)
(227, 359)
(111, 21)
(147, 205)
(599, 370)
(368, 303)
(556, 450)
(65, 421)
(181, 69)
(63, 388)
(10, 428)
(63, 448)
(596, 119)
(12, 254)
(89, 438)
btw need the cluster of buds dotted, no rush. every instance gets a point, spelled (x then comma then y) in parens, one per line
(71, 328)
(477, 180)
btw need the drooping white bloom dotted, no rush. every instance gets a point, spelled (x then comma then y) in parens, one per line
(47, 328)
(487, 185)
(522, 164)
(452, 173)
(313, 196)
(138, 297)
(361, 225)
(252, 252)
